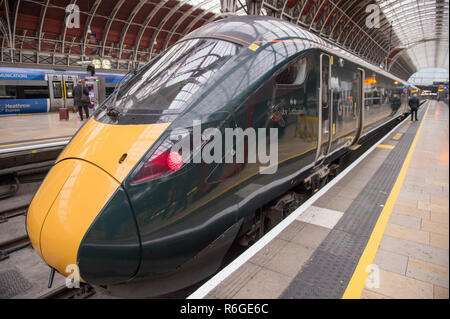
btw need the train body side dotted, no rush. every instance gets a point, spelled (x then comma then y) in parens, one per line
(181, 218)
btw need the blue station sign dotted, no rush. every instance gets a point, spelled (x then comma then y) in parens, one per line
(5, 75)
(20, 106)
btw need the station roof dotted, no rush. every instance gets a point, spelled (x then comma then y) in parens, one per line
(402, 36)
(128, 30)
(421, 29)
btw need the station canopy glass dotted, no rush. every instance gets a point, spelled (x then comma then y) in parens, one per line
(421, 28)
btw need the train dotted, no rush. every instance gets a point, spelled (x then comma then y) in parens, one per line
(27, 90)
(138, 218)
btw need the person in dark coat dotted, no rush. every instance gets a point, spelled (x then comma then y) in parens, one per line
(78, 92)
(414, 105)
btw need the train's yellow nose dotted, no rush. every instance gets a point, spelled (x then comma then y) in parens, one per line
(84, 179)
(71, 197)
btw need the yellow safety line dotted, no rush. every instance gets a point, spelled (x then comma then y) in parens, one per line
(389, 147)
(358, 280)
(35, 142)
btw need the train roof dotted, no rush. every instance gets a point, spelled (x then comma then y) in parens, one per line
(17, 73)
(50, 71)
(250, 29)
(247, 30)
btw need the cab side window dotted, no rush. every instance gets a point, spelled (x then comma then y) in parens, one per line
(294, 74)
(287, 76)
(289, 88)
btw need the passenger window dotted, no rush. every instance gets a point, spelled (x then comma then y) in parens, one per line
(57, 90)
(69, 90)
(8, 92)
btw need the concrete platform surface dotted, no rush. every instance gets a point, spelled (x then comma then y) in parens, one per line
(320, 254)
(20, 130)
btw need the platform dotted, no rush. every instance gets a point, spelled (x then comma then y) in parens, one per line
(382, 231)
(17, 131)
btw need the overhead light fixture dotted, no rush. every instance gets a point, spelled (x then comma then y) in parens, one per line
(97, 63)
(106, 64)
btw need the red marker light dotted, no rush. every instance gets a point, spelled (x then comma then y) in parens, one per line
(174, 161)
(159, 165)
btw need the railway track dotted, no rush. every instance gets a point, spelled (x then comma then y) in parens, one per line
(20, 175)
(85, 291)
(13, 212)
(13, 178)
(12, 245)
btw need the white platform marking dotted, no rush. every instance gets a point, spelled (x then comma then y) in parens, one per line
(320, 216)
(33, 147)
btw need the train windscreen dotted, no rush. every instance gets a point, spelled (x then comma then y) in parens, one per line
(167, 86)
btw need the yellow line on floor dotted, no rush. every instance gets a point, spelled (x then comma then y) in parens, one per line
(36, 142)
(389, 147)
(358, 280)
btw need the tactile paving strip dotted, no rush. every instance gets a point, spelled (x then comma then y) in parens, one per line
(327, 273)
(12, 283)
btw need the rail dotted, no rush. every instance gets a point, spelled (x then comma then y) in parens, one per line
(64, 292)
(12, 245)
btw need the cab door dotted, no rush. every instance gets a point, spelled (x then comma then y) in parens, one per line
(325, 110)
(358, 105)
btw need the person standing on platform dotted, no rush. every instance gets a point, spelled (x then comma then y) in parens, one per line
(81, 99)
(414, 105)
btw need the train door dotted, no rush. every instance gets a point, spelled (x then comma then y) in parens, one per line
(96, 87)
(325, 109)
(358, 104)
(69, 83)
(56, 91)
(90, 82)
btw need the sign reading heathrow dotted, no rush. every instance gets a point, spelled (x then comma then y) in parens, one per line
(23, 106)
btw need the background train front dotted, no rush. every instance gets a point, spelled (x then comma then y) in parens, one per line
(37, 91)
